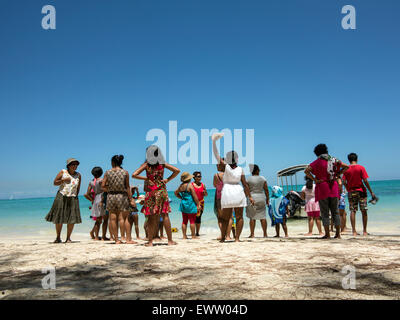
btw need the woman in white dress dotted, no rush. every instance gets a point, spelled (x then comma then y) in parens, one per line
(233, 197)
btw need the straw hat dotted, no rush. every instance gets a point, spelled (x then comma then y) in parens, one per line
(186, 176)
(70, 160)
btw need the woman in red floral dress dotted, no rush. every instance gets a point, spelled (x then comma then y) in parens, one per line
(156, 201)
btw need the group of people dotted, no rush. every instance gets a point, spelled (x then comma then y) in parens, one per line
(329, 176)
(114, 203)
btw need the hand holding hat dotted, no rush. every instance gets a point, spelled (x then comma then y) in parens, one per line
(217, 136)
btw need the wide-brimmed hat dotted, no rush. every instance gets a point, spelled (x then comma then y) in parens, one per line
(186, 176)
(70, 160)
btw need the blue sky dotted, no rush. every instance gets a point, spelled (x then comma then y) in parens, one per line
(113, 70)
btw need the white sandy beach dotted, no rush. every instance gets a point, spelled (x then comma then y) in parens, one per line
(294, 268)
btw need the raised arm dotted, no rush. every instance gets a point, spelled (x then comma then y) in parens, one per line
(216, 153)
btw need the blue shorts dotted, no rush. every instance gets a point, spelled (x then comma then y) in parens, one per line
(342, 207)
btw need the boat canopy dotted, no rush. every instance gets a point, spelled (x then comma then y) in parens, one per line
(290, 172)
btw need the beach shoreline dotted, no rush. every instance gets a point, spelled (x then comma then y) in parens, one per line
(295, 268)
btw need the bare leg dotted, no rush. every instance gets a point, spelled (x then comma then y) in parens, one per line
(193, 230)
(344, 221)
(161, 231)
(252, 224)
(104, 228)
(146, 228)
(229, 229)
(167, 226)
(239, 223)
(128, 227)
(226, 214)
(353, 222)
(365, 221)
(285, 228)
(97, 228)
(219, 225)
(136, 222)
(152, 225)
(58, 231)
(156, 235)
(277, 230)
(92, 231)
(114, 226)
(184, 227)
(310, 226)
(264, 227)
(343, 217)
(70, 227)
(121, 221)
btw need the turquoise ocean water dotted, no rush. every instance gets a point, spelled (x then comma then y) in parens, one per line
(25, 217)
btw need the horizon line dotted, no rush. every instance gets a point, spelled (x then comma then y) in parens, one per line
(51, 196)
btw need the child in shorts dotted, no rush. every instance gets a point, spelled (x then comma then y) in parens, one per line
(312, 207)
(278, 210)
(342, 206)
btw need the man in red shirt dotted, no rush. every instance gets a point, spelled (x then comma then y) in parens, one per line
(355, 180)
(324, 172)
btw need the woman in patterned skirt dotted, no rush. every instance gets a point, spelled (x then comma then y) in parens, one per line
(156, 201)
(119, 198)
(65, 209)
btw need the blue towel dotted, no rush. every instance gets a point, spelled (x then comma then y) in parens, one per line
(277, 207)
